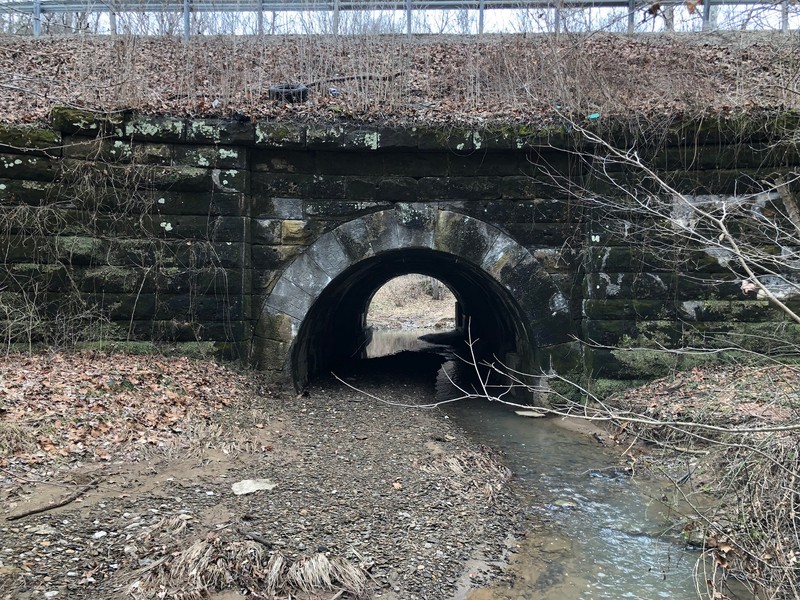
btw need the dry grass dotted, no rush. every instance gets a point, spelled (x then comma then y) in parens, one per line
(15, 439)
(487, 474)
(187, 567)
(198, 436)
(424, 80)
(215, 564)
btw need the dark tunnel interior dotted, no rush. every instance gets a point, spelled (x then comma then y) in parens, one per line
(333, 332)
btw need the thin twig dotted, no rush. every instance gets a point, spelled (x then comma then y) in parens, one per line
(71, 498)
(252, 535)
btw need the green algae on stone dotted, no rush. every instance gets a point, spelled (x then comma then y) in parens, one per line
(26, 138)
(86, 122)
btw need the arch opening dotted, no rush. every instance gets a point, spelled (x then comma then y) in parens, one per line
(411, 312)
(314, 316)
(334, 331)
(412, 301)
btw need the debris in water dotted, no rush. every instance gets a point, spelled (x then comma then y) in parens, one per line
(529, 413)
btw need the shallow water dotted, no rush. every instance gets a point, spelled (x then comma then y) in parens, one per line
(604, 536)
(388, 342)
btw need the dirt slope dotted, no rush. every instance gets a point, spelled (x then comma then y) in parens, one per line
(390, 79)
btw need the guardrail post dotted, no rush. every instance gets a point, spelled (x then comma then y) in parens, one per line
(112, 19)
(669, 17)
(260, 19)
(37, 18)
(631, 16)
(785, 15)
(706, 14)
(186, 19)
(557, 24)
(335, 17)
(481, 10)
(408, 17)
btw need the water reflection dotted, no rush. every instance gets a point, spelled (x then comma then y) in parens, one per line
(392, 341)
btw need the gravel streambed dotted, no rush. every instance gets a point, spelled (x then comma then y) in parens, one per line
(376, 498)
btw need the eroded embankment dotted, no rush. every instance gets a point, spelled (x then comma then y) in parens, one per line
(728, 438)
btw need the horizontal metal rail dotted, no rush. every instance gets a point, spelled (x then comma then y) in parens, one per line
(37, 8)
(28, 6)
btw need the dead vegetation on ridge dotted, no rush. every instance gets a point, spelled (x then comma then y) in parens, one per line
(391, 79)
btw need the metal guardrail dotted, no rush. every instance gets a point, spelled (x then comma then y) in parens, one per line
(37, 8)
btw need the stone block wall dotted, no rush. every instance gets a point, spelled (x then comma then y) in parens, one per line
(114, 232)
(647, 287)
(128, 228)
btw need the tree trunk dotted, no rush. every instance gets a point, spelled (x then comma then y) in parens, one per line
(437, 289)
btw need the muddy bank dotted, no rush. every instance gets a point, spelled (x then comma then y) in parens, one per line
(372, 498)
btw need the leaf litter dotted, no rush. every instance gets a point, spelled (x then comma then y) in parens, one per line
(436, 80)
(99, 405)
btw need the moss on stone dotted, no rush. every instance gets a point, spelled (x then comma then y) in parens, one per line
(751, 126)
(22, 166)
(761, 337)
(155, 128)
(564, 391)
(75, 120)
(275, 327)
(727, 310)
(646, 362)
(29, 137)
(566, 359)
(80, 249)
(272, 355)
(280, 135)
(34, 269)
(604, 388)
(128, 346)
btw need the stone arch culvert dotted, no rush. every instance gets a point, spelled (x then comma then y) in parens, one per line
(315, 314)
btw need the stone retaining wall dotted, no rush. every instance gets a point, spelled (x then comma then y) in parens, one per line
(121, 228)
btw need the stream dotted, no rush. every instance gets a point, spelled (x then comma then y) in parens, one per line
(602, 533)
